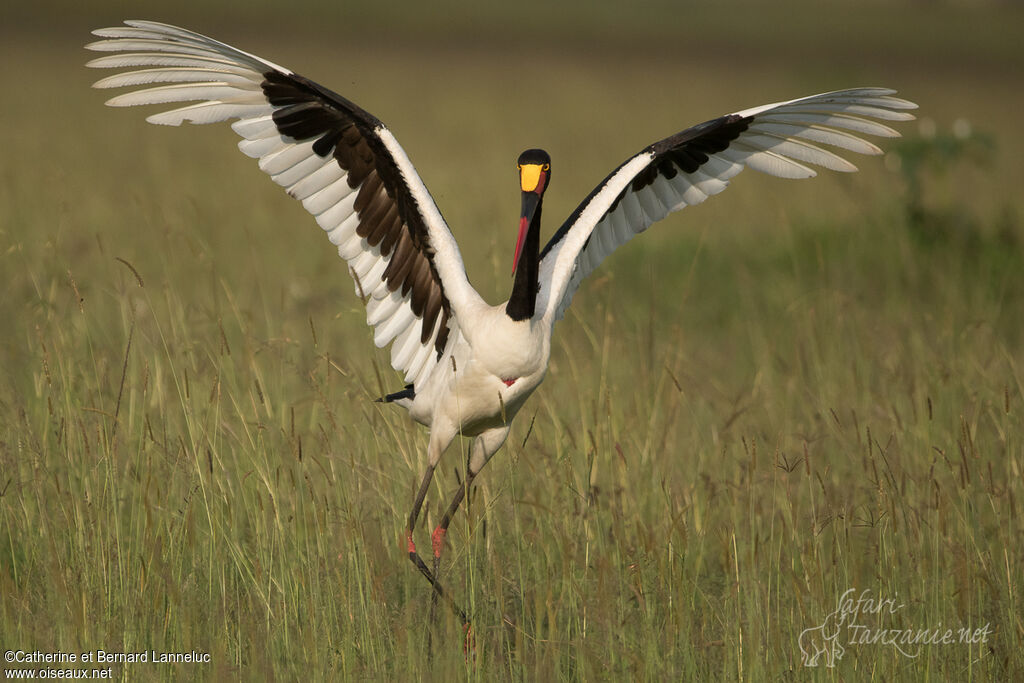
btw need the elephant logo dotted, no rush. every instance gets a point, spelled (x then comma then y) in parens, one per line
(822, 640)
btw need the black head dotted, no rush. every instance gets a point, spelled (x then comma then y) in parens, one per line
(534, 174)
(534, 156)
(534, 170)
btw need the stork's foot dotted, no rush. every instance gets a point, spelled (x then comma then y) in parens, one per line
(439, 591)
(437, 544)
(437, 541)
(469, 641)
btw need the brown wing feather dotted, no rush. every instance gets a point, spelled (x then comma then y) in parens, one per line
(387, 215)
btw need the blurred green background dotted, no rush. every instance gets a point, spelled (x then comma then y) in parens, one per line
(790, 390)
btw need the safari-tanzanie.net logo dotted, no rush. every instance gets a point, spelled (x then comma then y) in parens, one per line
(868, 620)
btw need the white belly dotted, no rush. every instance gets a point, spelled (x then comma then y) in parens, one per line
(493, 373)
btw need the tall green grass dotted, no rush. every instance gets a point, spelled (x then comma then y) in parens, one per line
(763, 402)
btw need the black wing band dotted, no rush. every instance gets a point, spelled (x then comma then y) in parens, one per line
(388, 217)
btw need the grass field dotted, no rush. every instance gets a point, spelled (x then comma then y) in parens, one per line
(790, 391)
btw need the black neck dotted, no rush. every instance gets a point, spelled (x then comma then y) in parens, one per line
(523, 300)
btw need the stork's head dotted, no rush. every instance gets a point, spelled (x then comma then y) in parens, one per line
(534, 176)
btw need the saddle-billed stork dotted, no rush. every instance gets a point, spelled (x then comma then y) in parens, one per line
(469, 365)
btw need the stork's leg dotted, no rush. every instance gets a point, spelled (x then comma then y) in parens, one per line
(437, 539)
(484, 446)
(438, 443)
(417, 504)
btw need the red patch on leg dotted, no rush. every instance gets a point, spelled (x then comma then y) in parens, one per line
(408, 540)
(509, 382)
(437, 541)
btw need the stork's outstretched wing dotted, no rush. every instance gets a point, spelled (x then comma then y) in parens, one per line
(345, 167)
(687, 168)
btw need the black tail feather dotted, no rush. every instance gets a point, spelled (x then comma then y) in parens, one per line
(408, 393)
